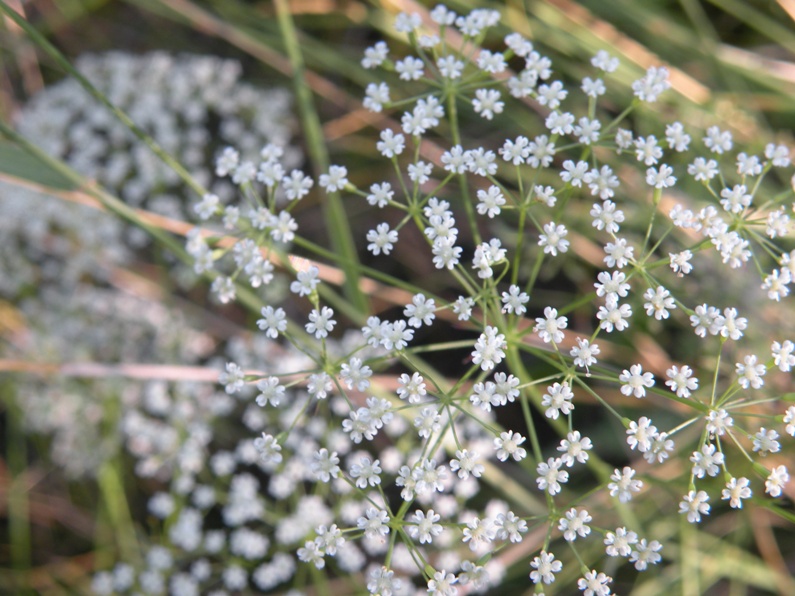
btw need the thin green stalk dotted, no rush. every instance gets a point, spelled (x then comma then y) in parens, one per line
(18, 507)
(334, 212)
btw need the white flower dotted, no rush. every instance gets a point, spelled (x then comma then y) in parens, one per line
(427, 422)
(613, 315)
(509, 526)
(356, 374)
(624, 484)
(554, 239)
(635, 381)
(297, 185)
(551, 95)
(489, 202)
(557, 400)
(325, 465)
(648, 151)
(306, 281)
(695, 504)
(703, 170)
(587, 131)
(708, 461)
(424, 526)
(575, 524)
(602, 182)
(550, 476)
(658, 302)
(366, 472)
(584, 353)
(681, 380)
(336, 179)
(320, 322)
(706, 318)
(233, 378)
(736, 490)
(376, 95)
(442, 584)
(374, 522)
(514, 300)
(640, 434)
(750, 372)
(549, 328)
(619, 543)
(677, 138)
(718, 141)
(662, 178)
(789, 420)
(652, 84)
(604, 61)
(680, 262)
(273, 321)
(489, 348)
(421, 310)
(508, 445)
(450, 67)
(268, 448)
(575, 448)
(574, 173)
(618, 253)
(606, 216)
(545, 567)
(487, 103)
(375, 56)
(271, 392)
(411, 388)
(391, 144)
(593, 87)
(382, 239)
(410, 68)
(463, 307)
(465, 463)
(594, 584)
(778, 154)
(776, 480)
(646, 553)
(783, 355)
(766, 441)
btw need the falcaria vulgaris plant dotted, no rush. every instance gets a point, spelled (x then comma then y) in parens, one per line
(598, 368)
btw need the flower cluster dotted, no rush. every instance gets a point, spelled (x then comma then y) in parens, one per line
(582, 311)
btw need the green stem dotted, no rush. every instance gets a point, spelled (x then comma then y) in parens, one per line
(334, 212)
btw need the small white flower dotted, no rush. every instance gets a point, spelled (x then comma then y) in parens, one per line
(487, 103)
(557, 400)
(550, 476)
(624, 484)
(545, 567)
(382, 239)
(695, 504)
(335, 180)
(320, 322)
(575, 524)
(681, 380)
(766, 441)
(489, 348)
(708, 461)
(736, 490)
(554, 239)
(514, 300)
(635, 381)
(550, 327)
(776, 480)
(658, 302)
(508, 445)
(751, 374)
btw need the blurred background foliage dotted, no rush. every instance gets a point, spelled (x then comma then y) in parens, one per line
(732, 64)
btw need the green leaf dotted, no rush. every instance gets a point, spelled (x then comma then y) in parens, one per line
(19, 163)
